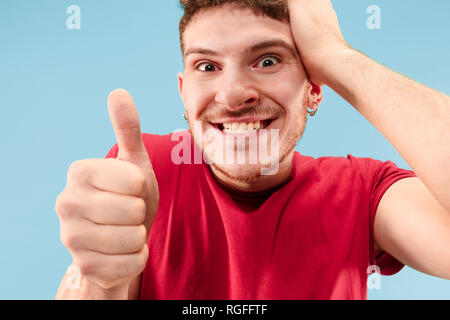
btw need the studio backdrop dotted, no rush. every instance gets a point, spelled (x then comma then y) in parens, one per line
(60, 59)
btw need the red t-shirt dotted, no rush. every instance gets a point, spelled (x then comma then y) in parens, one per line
(311, 238)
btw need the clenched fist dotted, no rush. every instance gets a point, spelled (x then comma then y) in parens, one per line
(108, 206)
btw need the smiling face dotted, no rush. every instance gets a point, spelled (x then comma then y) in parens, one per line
(244, 87)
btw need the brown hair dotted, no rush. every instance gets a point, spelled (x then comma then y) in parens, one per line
(276, 9)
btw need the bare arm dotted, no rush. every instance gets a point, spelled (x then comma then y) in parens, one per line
(413, 218)
(414, 119)
(413, 227)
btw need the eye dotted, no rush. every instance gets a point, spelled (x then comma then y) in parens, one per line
(206, 67)
(268, 62)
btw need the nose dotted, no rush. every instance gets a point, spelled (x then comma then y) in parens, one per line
(236, 90)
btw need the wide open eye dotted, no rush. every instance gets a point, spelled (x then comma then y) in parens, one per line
(206, 67)
(268, 62)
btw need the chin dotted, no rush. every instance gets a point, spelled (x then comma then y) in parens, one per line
(246, 161)
(243, 173)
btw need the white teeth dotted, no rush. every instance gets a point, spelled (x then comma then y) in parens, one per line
(242, 127)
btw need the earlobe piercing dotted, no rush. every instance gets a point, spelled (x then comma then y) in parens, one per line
(315, 108)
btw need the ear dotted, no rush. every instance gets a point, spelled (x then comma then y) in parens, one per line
(315, 94)
(180, 77)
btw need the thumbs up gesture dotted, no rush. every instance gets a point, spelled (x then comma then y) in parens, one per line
(125, 121)
(107, 208)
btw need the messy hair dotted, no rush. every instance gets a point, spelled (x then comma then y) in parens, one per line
(276, 9)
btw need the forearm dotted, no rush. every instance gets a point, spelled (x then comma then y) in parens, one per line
(76, 287)
(413, 118)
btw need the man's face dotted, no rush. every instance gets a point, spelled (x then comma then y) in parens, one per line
(243, 73)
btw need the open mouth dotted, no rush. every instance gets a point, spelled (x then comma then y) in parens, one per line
(242, 126)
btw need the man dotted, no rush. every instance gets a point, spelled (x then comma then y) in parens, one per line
(153, 222)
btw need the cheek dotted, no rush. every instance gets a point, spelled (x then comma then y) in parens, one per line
(197, 96)
(287, 87)
(288, 93)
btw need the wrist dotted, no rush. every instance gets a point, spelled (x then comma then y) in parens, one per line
(327, 62)
(92, 291)
(76, 286)
(346, 72)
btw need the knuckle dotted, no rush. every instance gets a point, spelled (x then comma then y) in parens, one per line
(69, 239)
(66, 207)
(81, 171)
(86, 267)
(64, 238)
(59, 203)
(76, 170)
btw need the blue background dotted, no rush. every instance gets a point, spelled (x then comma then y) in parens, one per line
(53, 88)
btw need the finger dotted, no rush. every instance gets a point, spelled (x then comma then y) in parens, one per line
(116, 209)
(102, 208)
(105, 239)
(109, 175)
(125, 121)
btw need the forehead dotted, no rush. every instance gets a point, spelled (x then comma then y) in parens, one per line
(231, 27)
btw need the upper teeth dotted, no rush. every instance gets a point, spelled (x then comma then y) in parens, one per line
(242, 126)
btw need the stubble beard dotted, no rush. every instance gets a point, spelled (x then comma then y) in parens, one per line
(251, 173)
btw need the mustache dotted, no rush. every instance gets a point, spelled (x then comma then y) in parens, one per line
(268, 111)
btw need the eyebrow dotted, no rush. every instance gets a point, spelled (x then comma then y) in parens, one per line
(256, 47)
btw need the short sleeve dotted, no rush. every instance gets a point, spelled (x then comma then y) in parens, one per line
(385, 174)
(113, 152)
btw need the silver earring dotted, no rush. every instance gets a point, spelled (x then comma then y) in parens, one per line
(185, 116)
(315, 108)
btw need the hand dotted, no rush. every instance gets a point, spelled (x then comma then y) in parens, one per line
(317, 35)
(108, 205)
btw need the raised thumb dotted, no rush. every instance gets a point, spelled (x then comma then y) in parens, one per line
(125, 121)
